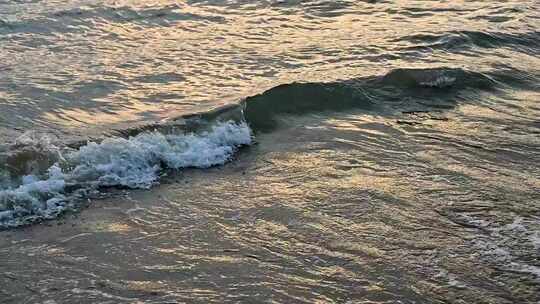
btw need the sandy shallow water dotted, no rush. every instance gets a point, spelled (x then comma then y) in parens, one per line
(305, 215)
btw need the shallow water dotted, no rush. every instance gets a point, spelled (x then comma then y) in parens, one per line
(390, 153)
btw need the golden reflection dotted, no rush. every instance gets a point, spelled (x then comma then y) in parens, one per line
(269, 228)
(482, 171)
(213, 258)
(362, 249)
(360, 123)
(172, 57)
(101, 226)
(337, 271)
(320, 171)
(77, 118)
(146, 285)
(325, 211)
(56, 251)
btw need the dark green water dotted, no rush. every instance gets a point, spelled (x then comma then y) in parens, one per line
(269, 152)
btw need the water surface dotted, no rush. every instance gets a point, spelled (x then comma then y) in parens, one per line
(371, 152)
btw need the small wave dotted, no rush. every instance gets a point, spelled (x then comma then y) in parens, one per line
(527, 42)
(78, 19)
(262, 111)
(368, 93)
(439, 78)
(133, 162)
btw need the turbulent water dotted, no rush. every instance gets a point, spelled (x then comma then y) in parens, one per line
(278, 151)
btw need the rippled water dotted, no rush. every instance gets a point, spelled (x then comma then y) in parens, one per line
(373, 151)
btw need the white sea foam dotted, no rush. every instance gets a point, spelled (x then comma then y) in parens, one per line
(134, 162)
(534, 238)
(439, 82)
(452, 279)
(505, 244)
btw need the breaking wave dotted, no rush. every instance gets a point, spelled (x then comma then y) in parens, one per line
(134, 162)
(39, 179)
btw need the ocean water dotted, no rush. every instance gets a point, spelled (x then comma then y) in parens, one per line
(269, 151)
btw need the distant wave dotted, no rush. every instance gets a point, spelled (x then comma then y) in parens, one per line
(77, 18)
(528, 42)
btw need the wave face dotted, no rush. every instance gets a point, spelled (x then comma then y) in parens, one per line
(134, 162)
(427, 88)
(262, 111)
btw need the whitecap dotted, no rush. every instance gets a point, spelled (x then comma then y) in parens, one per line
(133, 162)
